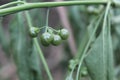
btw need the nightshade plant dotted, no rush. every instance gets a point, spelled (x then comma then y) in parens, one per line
(49, 36)
(95, 52)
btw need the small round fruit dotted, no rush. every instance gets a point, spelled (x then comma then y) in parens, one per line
(46, 37)
(33, 32)
(64, 34)
(56, 40)
(44, 43)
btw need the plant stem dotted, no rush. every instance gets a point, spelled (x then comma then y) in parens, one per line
(11, 3)
(39, 49)
(28, 19)
(47, 16)
(43, 59)
(53, 29)
(28, 6)
(47, 19)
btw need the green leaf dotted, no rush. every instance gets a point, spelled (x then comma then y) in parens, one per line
(87, 45)
(110, 61)
(95, 60)
(24, 52)
(99, 60)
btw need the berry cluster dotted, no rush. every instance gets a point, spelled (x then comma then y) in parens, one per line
(50, 36)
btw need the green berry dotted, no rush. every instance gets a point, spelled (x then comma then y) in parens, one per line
(46, 38)
(56, 40)
(64, 34)
(33, 32)
(44, 43)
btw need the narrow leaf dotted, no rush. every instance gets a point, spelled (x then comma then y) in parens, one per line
(99, 60)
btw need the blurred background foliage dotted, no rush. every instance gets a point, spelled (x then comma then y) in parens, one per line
(18, 54)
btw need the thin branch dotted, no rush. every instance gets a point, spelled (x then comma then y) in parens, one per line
(28, 6)
(11, 3)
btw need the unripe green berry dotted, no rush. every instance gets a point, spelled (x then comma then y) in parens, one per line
(33, 32)
(46, 38)
(56, 40)
(64, 34)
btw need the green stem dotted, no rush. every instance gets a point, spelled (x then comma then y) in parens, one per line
(47, 19)
(11, 3)
(39, 49)
(28, 19)
(71, 74)
(47, 16)
(41, 27)
(43, 59)
(53, 29)
(27, 6)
